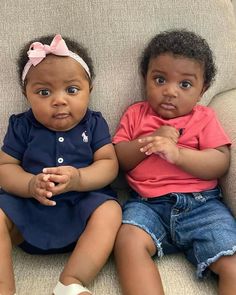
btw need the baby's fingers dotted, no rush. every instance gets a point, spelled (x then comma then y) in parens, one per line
(146, 139)
(59, 178)
(147, 149)
(46, 201)
(43, 196)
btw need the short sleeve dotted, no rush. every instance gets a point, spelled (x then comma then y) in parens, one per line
(125, 128)
(14, 143)
(100, 131)
(213, 135)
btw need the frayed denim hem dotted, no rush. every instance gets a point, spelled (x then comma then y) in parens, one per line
(156, 241)
(201, 269)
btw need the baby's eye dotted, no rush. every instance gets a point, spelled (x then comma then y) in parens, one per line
(160, 80)
(72, 90)
(44, 92)
(185, 84)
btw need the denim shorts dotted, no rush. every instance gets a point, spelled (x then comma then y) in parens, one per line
(198, 224)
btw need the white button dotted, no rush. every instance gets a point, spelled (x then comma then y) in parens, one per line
(61, 139)
(60, 160)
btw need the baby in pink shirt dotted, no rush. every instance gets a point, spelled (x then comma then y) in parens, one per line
(173, 151)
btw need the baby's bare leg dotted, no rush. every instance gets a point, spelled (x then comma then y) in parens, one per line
(8, 234)
(138, 273)
(94, 246)
(225, 267)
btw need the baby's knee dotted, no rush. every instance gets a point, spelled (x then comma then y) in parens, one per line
(113, 215)
(133, 239)
(114, 208)
(107, 216)
(111, 211)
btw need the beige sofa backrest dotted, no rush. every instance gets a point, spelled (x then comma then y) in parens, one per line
(115, 31)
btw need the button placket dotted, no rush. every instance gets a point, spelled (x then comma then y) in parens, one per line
(60, 158)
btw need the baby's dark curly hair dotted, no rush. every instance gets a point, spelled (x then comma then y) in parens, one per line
(183, 43)
(72, 46)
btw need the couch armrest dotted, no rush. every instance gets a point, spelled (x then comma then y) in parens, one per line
(225, 106)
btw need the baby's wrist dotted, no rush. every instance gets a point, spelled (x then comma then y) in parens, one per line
(30, 187)
(179, 157)
(76, 180)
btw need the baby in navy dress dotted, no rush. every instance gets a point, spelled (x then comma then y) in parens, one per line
(56, 163)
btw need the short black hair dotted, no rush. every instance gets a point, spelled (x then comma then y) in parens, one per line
(181, 43)
(72, 45)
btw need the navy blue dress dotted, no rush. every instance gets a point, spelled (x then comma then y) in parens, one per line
(58, 227)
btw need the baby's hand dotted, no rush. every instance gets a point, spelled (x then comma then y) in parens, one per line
(65, 178)
(40, 188)
(168, 132)
(162, 146)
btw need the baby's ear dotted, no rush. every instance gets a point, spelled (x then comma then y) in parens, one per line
(91, 88)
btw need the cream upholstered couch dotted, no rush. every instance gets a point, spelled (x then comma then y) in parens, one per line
(115, 31)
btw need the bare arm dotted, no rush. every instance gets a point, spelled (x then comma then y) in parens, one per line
(205, 164)
(129, 154)
(102, 172)
(13, 178)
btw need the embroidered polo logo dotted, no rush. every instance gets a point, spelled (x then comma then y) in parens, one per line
(84, 136)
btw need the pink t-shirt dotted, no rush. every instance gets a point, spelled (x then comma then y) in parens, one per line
(154, 176)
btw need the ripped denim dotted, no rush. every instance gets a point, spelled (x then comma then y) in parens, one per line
(198, 224)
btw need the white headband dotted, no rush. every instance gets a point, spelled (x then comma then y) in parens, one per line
(39, 51)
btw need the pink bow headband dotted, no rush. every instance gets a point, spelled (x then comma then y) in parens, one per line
(38, 51)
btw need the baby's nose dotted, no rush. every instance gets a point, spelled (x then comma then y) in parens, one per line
(170, 90)
(59, 99)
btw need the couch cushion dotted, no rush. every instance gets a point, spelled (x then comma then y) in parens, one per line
(38, 275)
